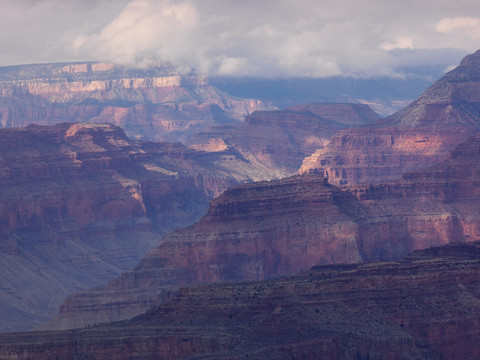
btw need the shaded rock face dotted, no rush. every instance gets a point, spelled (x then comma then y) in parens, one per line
(156, 104)
(80, 203)
(423, 133)
(282, 139)
(423, 307)
(281, 227)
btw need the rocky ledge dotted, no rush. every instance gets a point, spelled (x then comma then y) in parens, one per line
(426, 306)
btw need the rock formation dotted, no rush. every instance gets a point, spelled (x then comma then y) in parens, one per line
(423, 133)
(285, 226)
(282, 139)
(426, 306)
(81, 203)
(156, 104)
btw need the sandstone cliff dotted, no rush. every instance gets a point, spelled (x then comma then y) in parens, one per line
(80, 203)
(156, 104)
(423, 133)
(282, 139)
(426, 306)
(280, 227)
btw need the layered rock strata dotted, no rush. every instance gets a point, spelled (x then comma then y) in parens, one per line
(81, 203)
(423, 133)
(282, 139)
(281, 227)
(155, 104)
(425, 306)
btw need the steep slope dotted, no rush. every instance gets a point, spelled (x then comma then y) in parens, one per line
(423, 133)
(426, 306)
(282, 139)
(281, 227)
(156, 104)
(80, 203)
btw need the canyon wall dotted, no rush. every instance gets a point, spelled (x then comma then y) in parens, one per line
(282, 139)
(267, 229)
(155, 104)
(423, 133)
(425, 306)
(80, 203)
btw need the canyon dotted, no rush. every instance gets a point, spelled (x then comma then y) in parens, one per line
(154, 104)
(425, 306)
(281, 139)
(424, 132)
(80, 203)
(260, 230)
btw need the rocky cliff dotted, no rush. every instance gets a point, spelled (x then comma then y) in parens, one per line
(280, 227)
(282, 139)
(156, 104)
(425, 306)
(423, 133)
(81, 203)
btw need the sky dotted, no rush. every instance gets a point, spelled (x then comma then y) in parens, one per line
(264, 38)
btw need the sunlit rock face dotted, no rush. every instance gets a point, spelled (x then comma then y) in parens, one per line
(282, 139)
(268, 229)
(423, 133)
(425, 306)
(80, 203)
(155, 104)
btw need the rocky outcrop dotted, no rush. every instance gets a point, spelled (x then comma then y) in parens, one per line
(155, 104)
(423, 133)
(281, 227)
(80, 203)
(425, 306)
(282, 139)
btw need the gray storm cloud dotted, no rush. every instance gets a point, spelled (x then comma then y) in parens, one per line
(244, 38)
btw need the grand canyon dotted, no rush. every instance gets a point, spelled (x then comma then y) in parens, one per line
(148, 214)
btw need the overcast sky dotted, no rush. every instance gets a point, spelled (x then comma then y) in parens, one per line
(244, 37)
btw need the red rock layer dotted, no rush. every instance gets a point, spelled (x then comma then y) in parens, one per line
(282, 139)
(423, 133)
(80, 203)
(281, 227)
(423, 307)
(156, 104)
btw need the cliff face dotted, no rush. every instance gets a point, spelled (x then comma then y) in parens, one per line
(80, 203)
(423, 307)
(423, 133)
(282, 139)
(281, 227)
(251, 232)
(156, 104)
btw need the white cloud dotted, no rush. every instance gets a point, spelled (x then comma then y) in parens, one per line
(253, 38)
(447, 25)
(399, 43)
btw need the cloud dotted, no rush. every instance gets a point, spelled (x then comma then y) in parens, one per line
(273, 38)
(399, 43)
(447, 25)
